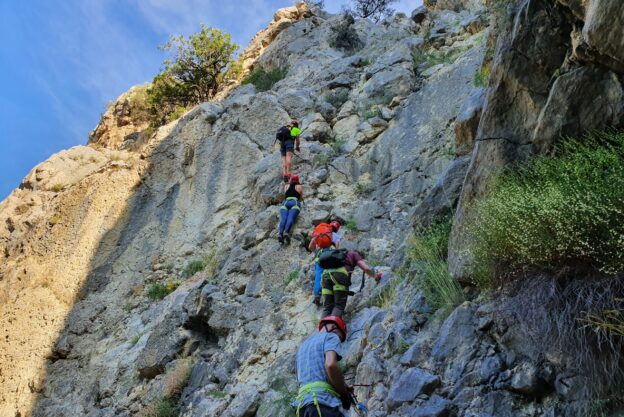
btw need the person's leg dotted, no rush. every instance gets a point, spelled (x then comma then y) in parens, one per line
(283, 220)
(317, 278)
(292, 216)
(284, 171)
(328, 298)
(340, 297)
(288, 162)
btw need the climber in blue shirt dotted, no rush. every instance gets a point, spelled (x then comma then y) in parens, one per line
(322, 389)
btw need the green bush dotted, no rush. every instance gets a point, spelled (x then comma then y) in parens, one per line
(556, 212)
(263, 79)
(161, 407)
(427, 253)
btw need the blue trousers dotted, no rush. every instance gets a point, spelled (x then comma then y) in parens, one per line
(317, 278)
(288, 214)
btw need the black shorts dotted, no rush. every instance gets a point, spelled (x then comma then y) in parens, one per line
(287, 146)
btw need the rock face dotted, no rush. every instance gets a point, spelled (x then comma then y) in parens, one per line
(543, 88)
(154, 265)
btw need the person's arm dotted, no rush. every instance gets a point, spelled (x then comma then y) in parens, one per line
(336, 379)
(312, 245)
(368, 270)
(297, 143)
(299, 189)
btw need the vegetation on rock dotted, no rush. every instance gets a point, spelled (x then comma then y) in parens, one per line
(264, 79)
(427, 253)
(373, 9)
(556, 212)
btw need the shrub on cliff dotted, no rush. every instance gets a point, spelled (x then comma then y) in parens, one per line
(199, 66)
(263, 79)
(427, 252)
(373, 9)
(566, 210)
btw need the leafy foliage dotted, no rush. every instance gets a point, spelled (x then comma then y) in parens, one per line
(263, 79)
(292, 275)
(427, 253)
(373, 9)
(199, 66)
(557, 212)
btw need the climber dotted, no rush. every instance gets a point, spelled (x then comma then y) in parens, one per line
(322, 389)
(338, 265)
(319, 234)
(288, 137)
(290, 208)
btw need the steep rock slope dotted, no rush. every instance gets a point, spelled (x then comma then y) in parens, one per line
(380, 126)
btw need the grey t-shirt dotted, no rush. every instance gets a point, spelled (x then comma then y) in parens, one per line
(311, 365)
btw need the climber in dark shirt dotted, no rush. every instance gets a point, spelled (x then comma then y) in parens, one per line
(293, 193)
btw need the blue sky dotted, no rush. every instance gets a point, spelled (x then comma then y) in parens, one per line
(62, 61)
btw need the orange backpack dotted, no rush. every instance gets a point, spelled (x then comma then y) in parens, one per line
(322, 235)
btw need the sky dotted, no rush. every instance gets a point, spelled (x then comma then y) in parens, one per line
(61, 62)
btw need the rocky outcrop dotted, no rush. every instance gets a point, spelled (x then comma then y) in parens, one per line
(542, 88)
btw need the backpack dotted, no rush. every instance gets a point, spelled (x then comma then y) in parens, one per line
(332, 258)
(283, 134)
(322, 235)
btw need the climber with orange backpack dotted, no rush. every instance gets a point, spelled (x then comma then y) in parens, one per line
(290, 208)
(325, 235)
(288, 137)
(322, 388)
(338, 265)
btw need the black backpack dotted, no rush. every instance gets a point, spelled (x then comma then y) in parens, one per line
(283, 134)
(332, 258)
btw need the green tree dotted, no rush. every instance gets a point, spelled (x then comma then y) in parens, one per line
(200, 63)
(374, 9)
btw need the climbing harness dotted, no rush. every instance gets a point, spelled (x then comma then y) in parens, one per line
(296, 206)
(337, 286)
(314, 388)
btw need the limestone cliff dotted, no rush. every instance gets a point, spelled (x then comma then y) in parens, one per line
(388, 137)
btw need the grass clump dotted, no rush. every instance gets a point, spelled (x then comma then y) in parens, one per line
(207, 263)
(363, 188)
(160, 407)
(481, 77)
(337, 144)
(158, 291)
(427, 253)
(561, 211)
(216, 394)
(292, 275)
(351, 225)
(264, 79)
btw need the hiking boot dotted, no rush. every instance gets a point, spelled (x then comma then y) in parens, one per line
(287, 239)
(317, 300)
(280, 239)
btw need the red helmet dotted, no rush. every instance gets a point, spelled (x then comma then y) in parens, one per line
(335, 224)
(294, 179)
(337, 321)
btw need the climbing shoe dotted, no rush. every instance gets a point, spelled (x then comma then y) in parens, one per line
(317, 300)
